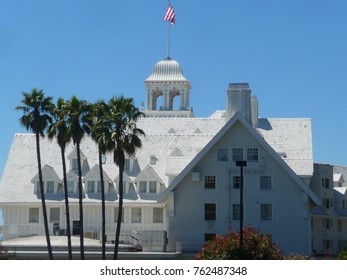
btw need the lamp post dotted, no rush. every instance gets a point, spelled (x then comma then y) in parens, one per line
(241, 163)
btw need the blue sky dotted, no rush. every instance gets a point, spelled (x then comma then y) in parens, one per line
(292, 52)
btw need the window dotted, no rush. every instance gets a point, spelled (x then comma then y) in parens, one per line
(339, 225)
(209, 236)
(143, 187)
(265, 182)
(325, 183)
(236, 212)
(127, 164)
(327, 223)
(38, 189)
(33, 215)
(252, 154)
(265, 212)
(70, 186)
(136, 215)
(222, 154)
(327, 244)
(99, 186)
(74, 165)
(236, 182)
(158, 216)
(152, 186)
(50, 186)
(210, 212)
(116, 211)
(237, 154)
(91, 187)
(327, 203)
(210, 182)
(54, 215)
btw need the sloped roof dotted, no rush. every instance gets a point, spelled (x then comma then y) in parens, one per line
(292, 136)
(239, 118)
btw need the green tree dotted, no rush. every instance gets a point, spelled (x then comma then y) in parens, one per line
(101, 134)
(256, 246)
(126, 139)
(60, 130)
(36, 109)
(79, 117)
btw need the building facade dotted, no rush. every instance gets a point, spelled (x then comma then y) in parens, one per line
(183, 186)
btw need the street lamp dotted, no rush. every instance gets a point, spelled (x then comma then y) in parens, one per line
(241, 163)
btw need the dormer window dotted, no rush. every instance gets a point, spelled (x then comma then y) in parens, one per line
(143, 187)
(70, 186)
(152, 186)
(91, 186)
(50, 186)
(127, 164)
(74, 165)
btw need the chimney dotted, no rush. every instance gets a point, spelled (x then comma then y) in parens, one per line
(239, 100)
(255, 110)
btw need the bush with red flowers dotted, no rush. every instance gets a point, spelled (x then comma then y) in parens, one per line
(256, 246)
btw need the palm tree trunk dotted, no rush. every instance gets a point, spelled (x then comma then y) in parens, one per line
(43, 200)
(121, 159)
(80, 196)
(67, 208)
(103, 211)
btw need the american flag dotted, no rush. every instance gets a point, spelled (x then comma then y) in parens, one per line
(170, 15)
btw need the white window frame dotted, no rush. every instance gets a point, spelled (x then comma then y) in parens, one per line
(90, 186)
(210, 182)
(265, 183)
(222, 154)
(34, 215)
(236, 212)
(136, 215)
(266, 212)
(115, 213)
(236, 182)
(54, 215)
(153, 186)
(142, 186)
(210, 214)
(50, 185)
(252, 154)
(70, 186)
(158, 215)
(236, 156)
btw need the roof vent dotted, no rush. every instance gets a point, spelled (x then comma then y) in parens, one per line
(197, 131)
(171, 131)
(152, 159)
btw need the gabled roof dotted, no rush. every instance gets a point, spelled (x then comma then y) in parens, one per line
(47, 170)
(148, 170)
(95, 173)
(256, 135)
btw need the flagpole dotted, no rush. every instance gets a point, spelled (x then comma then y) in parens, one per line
(169, 36)
(168, 44)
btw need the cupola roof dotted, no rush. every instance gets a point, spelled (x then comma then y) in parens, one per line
(167, 70)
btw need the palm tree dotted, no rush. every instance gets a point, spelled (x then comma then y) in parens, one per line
(79, 117)
(36, 108)
(59, 129)
(126, 139)
(101, 134)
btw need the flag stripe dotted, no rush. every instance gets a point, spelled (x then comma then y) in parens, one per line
(170, 15)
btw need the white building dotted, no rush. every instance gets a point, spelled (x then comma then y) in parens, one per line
(183, 184)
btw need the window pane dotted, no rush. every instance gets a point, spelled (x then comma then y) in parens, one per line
(237, 154)
(222, 154)
(91, 187)
(116, 211)
(33, 215)
(157, 215)
(152, 186)
(265, 182)
(210, 182)
(266, 212)
(70, 186)
(74, 165)
(236, 212)
(50, 186)
(252, 154)
(54, 215)
(210, 212)
(236, 182)
(143, 187)
(136, 215)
